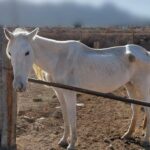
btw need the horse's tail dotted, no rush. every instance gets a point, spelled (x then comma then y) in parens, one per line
(138, 53)
(40, 73)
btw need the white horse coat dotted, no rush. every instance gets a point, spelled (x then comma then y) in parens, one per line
(73, 63)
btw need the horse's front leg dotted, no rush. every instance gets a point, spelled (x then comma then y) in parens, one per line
(70, 99)
(63, 141)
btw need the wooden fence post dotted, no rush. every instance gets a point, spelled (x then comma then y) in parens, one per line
(1, 84)
(96, 44)
(8, 100)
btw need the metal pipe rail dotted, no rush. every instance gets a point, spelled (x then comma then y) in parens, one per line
(95, 93)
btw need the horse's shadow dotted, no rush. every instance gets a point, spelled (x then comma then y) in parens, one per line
(136, 140)
(139, 142)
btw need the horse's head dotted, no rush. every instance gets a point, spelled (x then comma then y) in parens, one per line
(19, 50)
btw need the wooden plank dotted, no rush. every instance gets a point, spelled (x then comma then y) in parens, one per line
(3, 124)
(11, 107)
(91, 92)
(1, 85)
(9, 103)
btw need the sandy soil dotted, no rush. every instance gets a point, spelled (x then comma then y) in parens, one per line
(100, 123)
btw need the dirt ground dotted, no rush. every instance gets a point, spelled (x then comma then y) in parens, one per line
(100, 123)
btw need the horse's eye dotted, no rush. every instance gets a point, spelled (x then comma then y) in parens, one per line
(9, 53)
(27, 53)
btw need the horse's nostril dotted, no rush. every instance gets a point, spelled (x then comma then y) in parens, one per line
(21, 85)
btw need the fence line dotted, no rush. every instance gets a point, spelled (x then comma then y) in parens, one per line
(95, 93)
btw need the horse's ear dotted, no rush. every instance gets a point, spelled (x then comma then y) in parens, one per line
(8, 34)
(33, 33)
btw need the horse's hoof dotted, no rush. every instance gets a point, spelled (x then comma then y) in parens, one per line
(63, 144)
(71, 147)
(146, 144)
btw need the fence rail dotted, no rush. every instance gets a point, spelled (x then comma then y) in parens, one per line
(95, 93)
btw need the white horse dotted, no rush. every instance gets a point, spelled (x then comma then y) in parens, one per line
(73, 63)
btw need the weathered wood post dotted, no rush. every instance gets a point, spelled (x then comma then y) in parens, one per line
(8, 103)
(96, 44)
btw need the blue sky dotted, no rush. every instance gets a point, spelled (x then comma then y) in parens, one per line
(138, 7)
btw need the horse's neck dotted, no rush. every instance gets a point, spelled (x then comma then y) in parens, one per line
(46, 53)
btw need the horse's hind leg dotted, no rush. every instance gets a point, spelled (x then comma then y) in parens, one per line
(145, 92)
(147, 111)
(132, 93)
(132, 125)
(142, 91)
(147, 133)
(144, 122)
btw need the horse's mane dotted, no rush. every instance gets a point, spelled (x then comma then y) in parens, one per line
(20, 31)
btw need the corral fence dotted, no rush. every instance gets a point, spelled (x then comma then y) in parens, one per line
(93, 37)
(91, 92)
